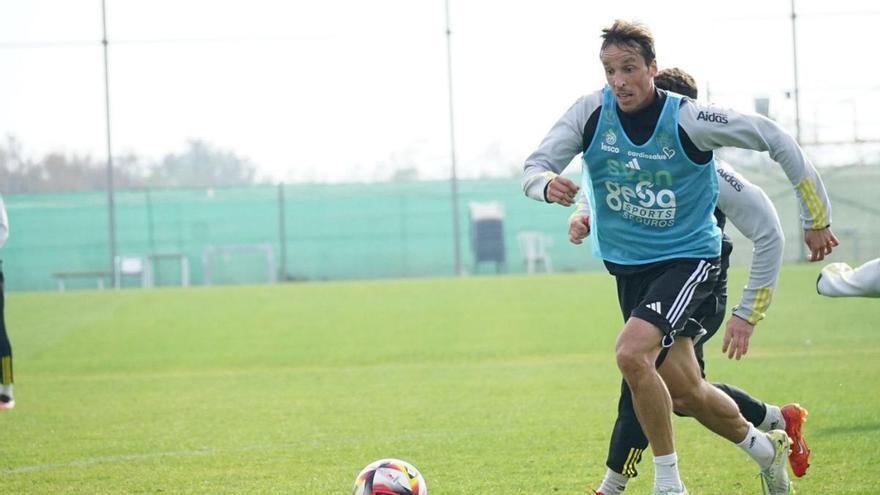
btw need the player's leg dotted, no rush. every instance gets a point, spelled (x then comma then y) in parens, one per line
(674, 289)
(628, 441)
(753, 410)
(6, 378)
(625, 449)
(637, 348)
(697, 397)
(718, 412)
(765, 417)
(710, 315)
(693, 396)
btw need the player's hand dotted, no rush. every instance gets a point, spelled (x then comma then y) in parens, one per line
(578, 228)
(562, 191)
(736, 337)
(820, 242)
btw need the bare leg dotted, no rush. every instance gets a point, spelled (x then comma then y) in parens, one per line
(637, 348)
(694, 396)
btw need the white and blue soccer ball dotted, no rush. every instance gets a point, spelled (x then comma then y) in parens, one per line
(390, 477)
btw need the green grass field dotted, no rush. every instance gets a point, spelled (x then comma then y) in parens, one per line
(489, 385)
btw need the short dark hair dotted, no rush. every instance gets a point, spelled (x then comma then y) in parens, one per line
(676, 80)
(632, 34)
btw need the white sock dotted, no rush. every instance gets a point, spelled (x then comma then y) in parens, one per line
(666, 472)
(613, 484)
(6, 390)
(758, 446)
(773, 420)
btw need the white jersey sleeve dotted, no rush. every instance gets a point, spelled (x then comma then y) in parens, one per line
(841, 280)
(581, 206)
(750, 210)
(560, 145)
(4, 223)
(711, 127)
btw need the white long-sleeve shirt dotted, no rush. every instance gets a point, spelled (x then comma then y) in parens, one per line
(4, 223)
(749, 209)
(709, 128)
(841, 280)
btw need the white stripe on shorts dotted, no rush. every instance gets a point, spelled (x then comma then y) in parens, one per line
(701, 274)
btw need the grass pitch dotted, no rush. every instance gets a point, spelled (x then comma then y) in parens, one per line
(489, 385)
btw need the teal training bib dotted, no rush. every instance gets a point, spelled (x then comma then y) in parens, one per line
(650, 202)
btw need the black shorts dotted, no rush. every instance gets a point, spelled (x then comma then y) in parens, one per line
(667, 293)
(710, 314)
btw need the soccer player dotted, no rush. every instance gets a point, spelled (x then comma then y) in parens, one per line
(6, 398)
(841, 280)
(648, 167)
(752, 212)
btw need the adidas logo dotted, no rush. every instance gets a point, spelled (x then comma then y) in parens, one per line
(633, 164)
(654, 306)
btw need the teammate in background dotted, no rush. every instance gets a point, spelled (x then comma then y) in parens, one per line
(752, 212)
(648, 158)
(6, 399)
(841, 280)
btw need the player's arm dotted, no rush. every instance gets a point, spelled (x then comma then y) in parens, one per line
(711, 127)
(750, 210)
(541, 180)
(4, 223)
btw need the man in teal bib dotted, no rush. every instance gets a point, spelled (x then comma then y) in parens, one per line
(649, 172)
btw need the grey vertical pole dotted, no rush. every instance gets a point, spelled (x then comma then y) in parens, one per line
(797, 93)
(151, 238)
(282, 234)
(454, 178)
(797, 110)
(403, 247)
(151, 234)
(111, 206)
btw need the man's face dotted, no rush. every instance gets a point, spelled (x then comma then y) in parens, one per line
(628, 76)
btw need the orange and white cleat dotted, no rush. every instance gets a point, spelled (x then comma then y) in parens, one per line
(6, 402)
(799, 458)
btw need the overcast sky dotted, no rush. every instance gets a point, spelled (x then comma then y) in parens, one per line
(346, 90)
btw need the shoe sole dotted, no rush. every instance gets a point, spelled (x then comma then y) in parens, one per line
(799, 457)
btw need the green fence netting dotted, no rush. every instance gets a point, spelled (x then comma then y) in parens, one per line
(265, 233)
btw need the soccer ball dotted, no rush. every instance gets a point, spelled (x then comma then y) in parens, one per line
(389, 477)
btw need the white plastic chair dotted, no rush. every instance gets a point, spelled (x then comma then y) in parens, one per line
(533, 246)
